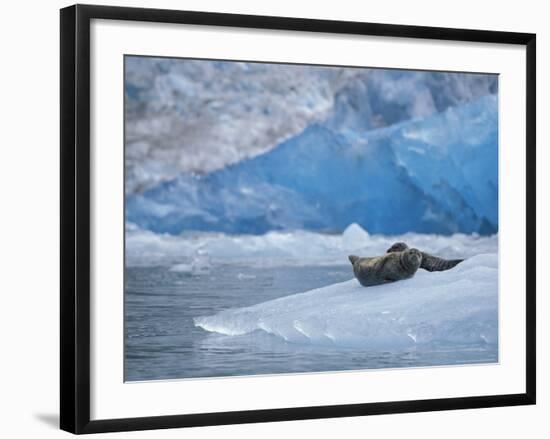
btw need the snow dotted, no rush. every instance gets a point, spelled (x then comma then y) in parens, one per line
(455, 306)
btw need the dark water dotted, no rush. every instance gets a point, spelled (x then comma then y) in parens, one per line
(162, 342)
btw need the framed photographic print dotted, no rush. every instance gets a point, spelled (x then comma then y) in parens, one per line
(268, 218)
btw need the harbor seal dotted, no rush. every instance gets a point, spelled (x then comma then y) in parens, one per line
(429, 262)
(391, 267)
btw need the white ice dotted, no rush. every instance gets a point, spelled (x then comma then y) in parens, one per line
(455, 306)
(145, 248)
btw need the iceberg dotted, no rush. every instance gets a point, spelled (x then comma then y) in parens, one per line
(459, 306)
(436, 175)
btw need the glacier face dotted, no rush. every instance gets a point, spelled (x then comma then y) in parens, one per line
(455, 306)
(184, 115)
(430, 175)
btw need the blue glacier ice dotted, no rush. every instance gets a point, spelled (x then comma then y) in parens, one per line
(428, 175)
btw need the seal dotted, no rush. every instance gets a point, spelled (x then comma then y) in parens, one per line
(391, 267)
(429, 262)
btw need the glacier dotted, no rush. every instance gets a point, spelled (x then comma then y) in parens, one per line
(435, 175)
(459, 307)
(199, 116)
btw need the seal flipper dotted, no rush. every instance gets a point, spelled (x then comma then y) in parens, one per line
(433, 263)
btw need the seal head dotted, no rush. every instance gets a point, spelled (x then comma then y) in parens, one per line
(411, 259)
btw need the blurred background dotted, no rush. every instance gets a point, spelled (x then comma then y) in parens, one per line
(248, 148)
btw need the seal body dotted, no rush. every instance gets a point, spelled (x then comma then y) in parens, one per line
(391, 267)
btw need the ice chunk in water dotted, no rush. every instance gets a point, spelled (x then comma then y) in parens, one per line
(455, 306)
(355, 237)
(200, 263)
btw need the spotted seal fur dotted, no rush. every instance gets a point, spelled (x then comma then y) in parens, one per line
(387, 268)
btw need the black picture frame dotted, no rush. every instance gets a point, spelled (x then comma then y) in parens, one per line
(75, 217)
